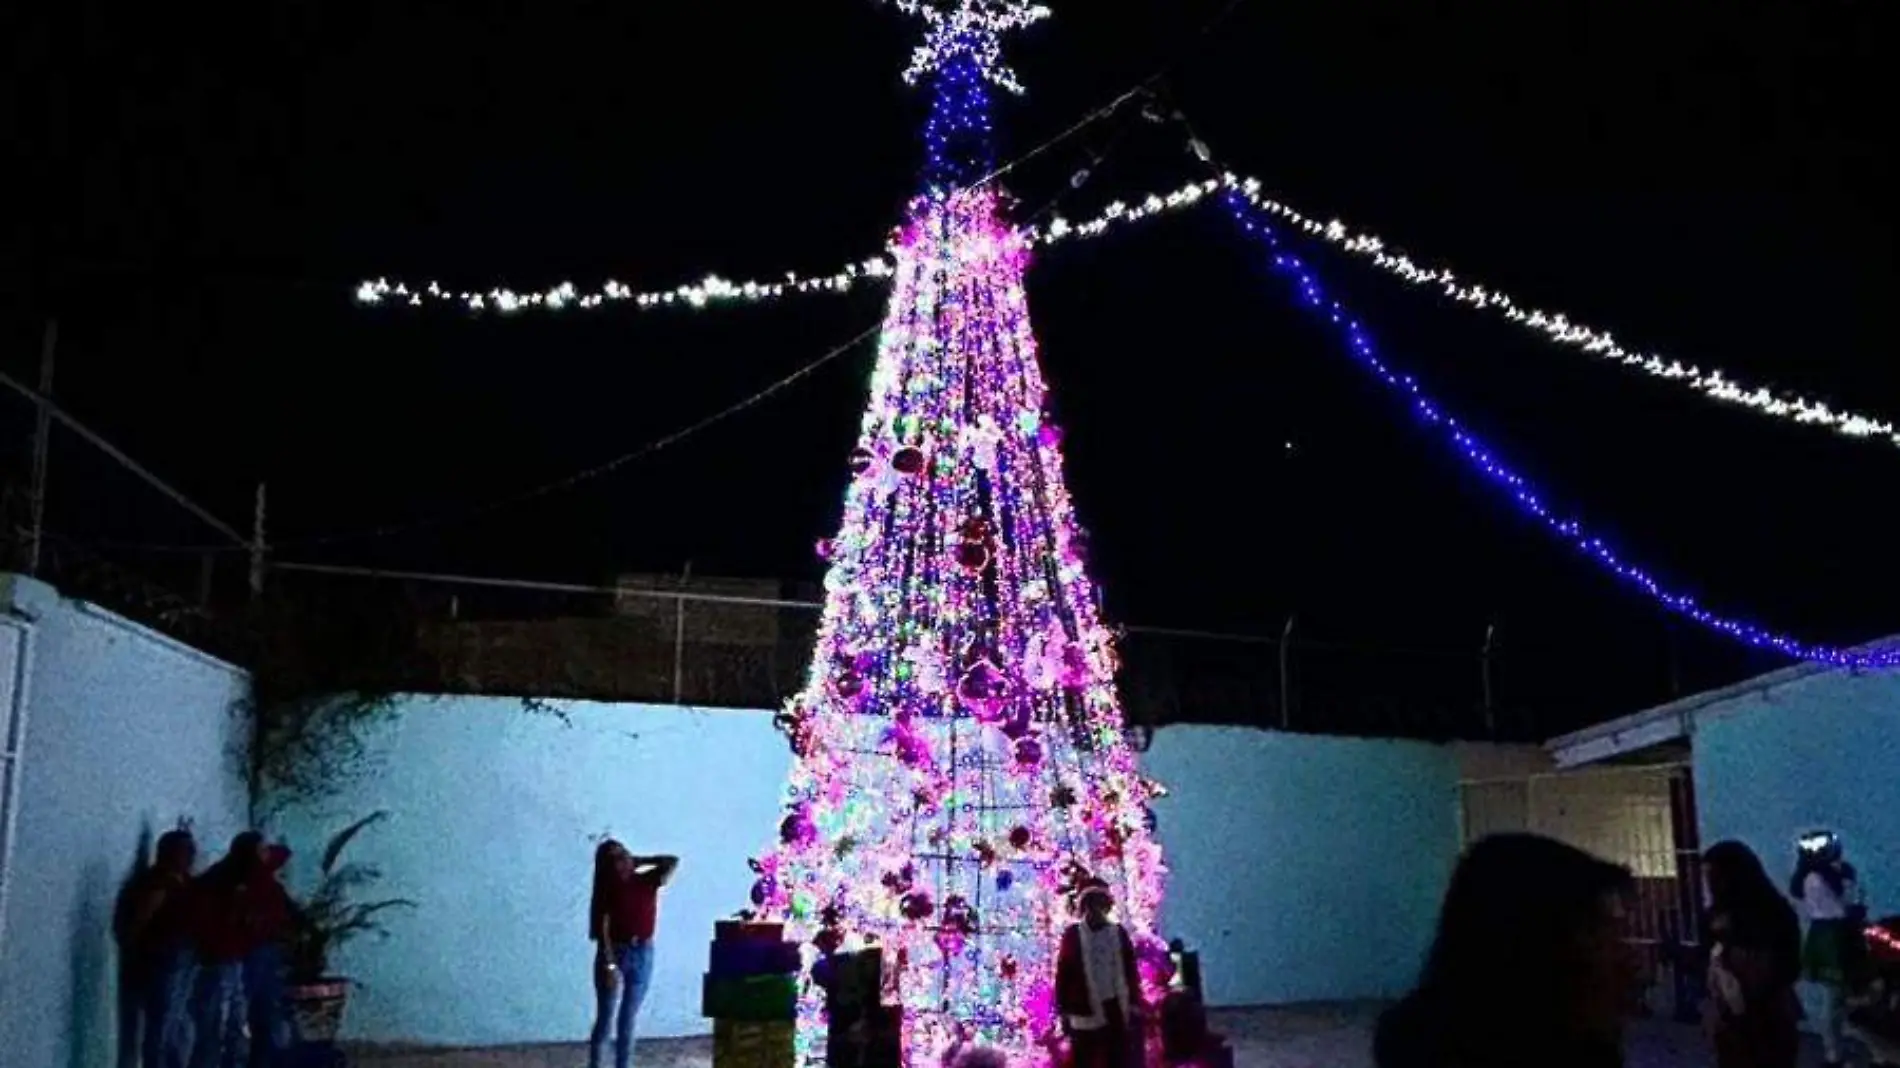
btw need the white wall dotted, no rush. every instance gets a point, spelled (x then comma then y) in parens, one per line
(1306, 868)
(125, 732)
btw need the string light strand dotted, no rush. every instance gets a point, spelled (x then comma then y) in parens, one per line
(1499, 473)
(714, 290)
(1562, 329)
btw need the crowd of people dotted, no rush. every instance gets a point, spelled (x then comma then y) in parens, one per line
(1530, 966)
(204, 955)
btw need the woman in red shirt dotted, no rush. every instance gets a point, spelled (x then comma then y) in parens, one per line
(620, 920)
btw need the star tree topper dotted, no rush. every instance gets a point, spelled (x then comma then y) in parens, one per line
(970, 27)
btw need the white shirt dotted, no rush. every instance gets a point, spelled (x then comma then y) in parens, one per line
(1108, 978)
(1821, 902)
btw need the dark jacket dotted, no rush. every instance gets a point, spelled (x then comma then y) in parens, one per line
(1073, 996)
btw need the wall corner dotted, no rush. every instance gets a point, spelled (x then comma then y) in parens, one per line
(25, 596)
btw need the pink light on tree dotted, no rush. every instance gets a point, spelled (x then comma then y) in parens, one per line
(961, 763)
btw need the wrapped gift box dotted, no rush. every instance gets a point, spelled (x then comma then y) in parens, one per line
(746, 958)
(750, 999)
(874, 1040)
(753, 1045)
(854, 982)
(747, 931)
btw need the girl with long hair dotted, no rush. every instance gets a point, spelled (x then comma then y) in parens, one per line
(621, 919)
(1826, 887)
(1529, 966)
(1753, 1016)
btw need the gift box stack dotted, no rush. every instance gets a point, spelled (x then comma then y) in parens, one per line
(1185, 1040)
(751, 995)
(863, 1032)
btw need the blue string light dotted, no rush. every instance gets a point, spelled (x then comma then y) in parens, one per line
(1503, 476)
(958, 147)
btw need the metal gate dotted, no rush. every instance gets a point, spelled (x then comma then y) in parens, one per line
(15, 653)
(1640, 817)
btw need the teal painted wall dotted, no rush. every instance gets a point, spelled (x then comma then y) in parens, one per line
(126, 731)
(1307, 867)
(494, 815)
(1820, 752)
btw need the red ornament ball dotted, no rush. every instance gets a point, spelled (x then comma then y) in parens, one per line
(917, 906)
(1019, 837)
(973, 556)
(908, 461)
(848, 684)
(1028, 752)
(977, 528)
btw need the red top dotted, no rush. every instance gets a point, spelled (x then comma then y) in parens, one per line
(230, 921)
(631, 906)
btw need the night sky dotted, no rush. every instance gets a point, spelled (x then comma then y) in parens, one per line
(197, 189)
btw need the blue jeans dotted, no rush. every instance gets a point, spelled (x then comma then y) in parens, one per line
(635, 962)
(217, 1014)
(264, 1002)
(161, 1011)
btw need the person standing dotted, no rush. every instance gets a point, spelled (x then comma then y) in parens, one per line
(155, 943)
(270, 913)
(1753, 1017)
(621, 920)
(1098, 987)
(239, 910)
(1528, 967)
(1828, 891)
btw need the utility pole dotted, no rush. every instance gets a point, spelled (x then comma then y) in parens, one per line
(42, 446)
(257, 545)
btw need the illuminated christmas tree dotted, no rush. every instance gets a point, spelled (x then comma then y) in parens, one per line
(961, 763)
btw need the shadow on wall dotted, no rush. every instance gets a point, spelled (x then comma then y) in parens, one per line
(93, 1034)
(127, 1002)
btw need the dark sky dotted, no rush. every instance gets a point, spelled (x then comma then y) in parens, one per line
(201, 186)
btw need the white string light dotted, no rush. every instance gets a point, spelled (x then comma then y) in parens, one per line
(969, 27)
(715, 290)
(1552, 326)
(1562, 329)
(712, 290)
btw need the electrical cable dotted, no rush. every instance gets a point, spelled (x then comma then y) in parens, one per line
(480, 511)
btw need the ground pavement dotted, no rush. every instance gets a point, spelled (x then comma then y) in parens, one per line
(1326, 1036)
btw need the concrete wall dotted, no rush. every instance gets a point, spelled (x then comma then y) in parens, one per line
(1306, 867)
(494, 811)
(125, 731)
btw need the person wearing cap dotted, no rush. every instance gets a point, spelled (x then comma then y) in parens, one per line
(1098, 988)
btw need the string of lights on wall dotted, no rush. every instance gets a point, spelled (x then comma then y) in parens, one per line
(1253, 219)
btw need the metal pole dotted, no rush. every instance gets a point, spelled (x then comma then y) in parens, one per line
(257, 545)
(1484, 669)
(1286, 681)
(42, 445)
(206, 564)
(679, 648)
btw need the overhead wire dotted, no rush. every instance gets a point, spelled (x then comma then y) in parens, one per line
(1141, 88)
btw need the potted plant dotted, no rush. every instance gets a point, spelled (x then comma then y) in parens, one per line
(331, 917)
